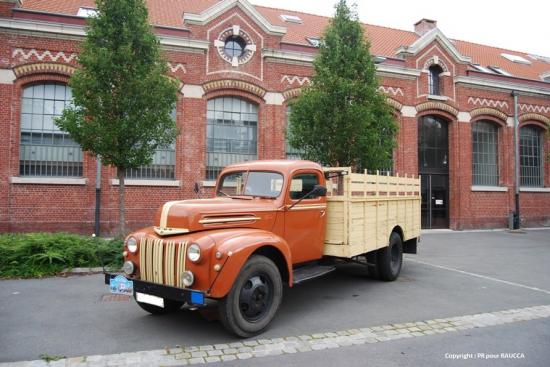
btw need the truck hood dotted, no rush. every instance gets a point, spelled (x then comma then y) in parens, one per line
(178, 217)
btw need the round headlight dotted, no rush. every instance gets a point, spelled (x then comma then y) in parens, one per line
(194, 252)
(187, 278)
(132, 245)
(129, 268)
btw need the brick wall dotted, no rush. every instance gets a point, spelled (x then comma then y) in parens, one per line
(34, 207)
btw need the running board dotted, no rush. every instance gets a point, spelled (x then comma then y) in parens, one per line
(309, 272)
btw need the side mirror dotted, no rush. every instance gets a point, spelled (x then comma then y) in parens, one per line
(197, 189)
(318, 190)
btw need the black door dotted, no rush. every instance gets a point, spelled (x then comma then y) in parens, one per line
(435, 201)
(433, 162)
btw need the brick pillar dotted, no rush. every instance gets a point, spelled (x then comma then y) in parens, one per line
(274, 132)
(6, 113)
(407, 148)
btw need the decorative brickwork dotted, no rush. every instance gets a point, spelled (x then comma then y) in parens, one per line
(437, 106)
(490, 112)
(534, 117)
(43, 68)
(278, 67)
(233, 84)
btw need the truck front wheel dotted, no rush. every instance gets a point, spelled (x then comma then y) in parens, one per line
(254, 298)
(390, 258)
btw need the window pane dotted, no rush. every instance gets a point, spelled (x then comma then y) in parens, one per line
(38, 91)
(46, 151)
(162, 166)
(531, 163)
(231, 133)
(303, 184)
(48, 107)
(26, 122)
(434, 80)
(38, 106)
(49, 91)
(485, 154)
(26, 106)
(433, 144)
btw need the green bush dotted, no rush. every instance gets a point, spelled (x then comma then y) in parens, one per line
(40, 254)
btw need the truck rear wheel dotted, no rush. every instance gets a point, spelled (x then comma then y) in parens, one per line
(169, 307)
(254, 298)
(390, 259)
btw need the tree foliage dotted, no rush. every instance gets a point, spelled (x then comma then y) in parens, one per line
(342, 119)
(121, 94)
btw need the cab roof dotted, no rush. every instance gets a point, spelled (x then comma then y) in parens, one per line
(281, 165)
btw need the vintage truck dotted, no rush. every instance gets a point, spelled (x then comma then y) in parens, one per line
(270, 223)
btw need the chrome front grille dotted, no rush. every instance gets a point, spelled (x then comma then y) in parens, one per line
(162, 261)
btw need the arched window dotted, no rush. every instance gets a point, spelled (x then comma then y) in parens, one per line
(485, 154)
(44, 149)
(163, 165)
(434, 81)
(531, 156)
(231, 133)
(291, 153)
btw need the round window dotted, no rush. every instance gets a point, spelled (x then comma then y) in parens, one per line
(234, 46)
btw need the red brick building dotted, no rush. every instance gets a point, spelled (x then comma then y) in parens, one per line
(239, 65)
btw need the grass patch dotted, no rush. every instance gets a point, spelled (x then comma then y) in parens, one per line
(32, 255)
(48, 358)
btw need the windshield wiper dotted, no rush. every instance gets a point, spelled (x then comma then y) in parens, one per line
(234, 197)
(224, 193)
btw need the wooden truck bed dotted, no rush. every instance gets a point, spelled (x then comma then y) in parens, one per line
(363, 209)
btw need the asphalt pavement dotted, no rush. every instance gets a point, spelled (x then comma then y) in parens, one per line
(455, 273)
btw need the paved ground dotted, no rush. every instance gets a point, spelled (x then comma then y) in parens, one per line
(455, 274)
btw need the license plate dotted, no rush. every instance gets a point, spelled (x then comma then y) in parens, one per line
(152, 300)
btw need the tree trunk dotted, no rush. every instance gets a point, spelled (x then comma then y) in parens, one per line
(121, 206)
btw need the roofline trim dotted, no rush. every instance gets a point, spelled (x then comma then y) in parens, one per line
(219, 8)
(500, 85)
(78, 30)
(309, 58)
(288, 55)
(429, 37)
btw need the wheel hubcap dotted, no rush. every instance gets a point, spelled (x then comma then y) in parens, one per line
(256, 297)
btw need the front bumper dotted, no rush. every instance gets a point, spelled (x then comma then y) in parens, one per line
(189, 296)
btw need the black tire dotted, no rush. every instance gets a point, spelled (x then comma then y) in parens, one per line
(169, 307)
(390, 259)
(253, 299)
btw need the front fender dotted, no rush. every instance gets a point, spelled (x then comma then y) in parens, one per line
(236, 248)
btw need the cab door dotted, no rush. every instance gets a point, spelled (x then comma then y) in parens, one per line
(305, 222)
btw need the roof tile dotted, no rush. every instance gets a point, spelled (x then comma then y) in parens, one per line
(384, 40)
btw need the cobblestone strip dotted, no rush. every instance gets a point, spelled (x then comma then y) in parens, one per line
(192, 355)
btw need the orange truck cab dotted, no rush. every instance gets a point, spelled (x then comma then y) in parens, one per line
(266, 226)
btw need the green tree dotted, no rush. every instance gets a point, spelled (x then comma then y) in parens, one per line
(122, 95)
(342, 119)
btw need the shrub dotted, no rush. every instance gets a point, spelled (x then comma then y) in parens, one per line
(40, 254)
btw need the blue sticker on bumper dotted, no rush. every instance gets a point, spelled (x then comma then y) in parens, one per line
(121, 285)
(197, 298)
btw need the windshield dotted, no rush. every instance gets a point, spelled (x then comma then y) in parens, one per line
(246, 183)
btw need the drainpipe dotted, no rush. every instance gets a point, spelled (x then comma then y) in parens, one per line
(97, 196)
(516, 161)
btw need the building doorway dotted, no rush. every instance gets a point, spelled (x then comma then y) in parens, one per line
(433, 166)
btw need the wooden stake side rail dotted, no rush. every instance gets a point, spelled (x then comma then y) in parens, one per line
(363, 209)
